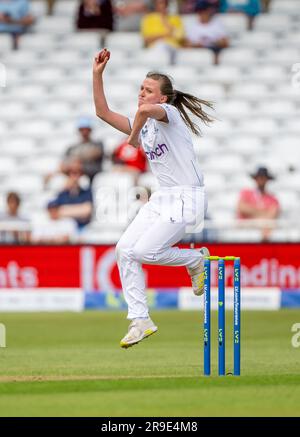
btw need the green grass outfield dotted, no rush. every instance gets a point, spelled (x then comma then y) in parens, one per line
(65, 364)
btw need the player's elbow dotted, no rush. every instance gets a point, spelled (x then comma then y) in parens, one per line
(102, 114)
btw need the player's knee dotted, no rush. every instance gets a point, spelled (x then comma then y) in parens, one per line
(122, 250)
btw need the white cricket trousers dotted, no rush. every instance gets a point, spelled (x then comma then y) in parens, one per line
(164, 220)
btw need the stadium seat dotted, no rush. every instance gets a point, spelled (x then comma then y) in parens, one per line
(100, 236)
(233, 109)
(65, 8)
(81, 40)
(214, 181)
(258, 39)
(284, 7)
(194, 57)
(54, 24)
(250, 90)
(288, 199)
(234, 22)
(269, 159)
(288, 91)
(272, 22)
(28, 92)
(12, 110)
(34, 128)
(128, 41)
(242, 235)
(180, 74)
(150, 60)
(22, 59)
(224, 163)
(204, 146)
(277, 108)
(292, 126)
(291, 182)
(24, 183)
(291, 39)
(246, 145)
(43, 41)
(8, 165)
(285, 56)
(226, 200)
(42, 165)
(224, 73)
(121, 91)
(272, 74)
(72, 91)
(38, 8)
(64, 58)
(47, 75)
(239, 56)
(3, 128)
(283, 235)
(57, 110)
(220, 128)
(5, 42)
(260, 126)
(19, 147)
(207, 91)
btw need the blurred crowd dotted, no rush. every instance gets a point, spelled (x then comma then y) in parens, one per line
(73, 207)
(161, 27)
(159, 21)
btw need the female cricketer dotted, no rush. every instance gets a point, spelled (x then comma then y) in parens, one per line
(162, 127)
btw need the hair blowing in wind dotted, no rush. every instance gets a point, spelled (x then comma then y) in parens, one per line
(183, 102)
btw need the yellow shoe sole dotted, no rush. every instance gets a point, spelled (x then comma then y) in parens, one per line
(147, 334)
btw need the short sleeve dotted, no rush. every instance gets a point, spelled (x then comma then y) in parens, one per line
(171, 111)
(131, 121)
(245, 196)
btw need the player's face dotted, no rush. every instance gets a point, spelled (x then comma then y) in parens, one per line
(150, 92)
(161, 5)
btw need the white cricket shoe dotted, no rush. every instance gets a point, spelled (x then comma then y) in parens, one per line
(197, 273)
(137, 331)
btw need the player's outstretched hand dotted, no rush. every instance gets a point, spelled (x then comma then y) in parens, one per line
(100, 61)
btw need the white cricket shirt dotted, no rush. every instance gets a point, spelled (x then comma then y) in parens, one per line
(169, 149)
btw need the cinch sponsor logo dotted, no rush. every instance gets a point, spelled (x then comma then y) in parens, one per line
(160, 150)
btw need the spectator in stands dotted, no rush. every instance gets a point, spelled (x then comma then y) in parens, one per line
(15, 18)
(74, 201)
(55, 229)
(258, 203)
(189, 6)
(95, 14)
(89, 151)
(208, 31)
(14, 219)
(129, 13)
(251, 8)
(162, 32)
(129, 159)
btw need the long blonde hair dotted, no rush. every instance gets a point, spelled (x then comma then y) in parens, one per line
(183, 101)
